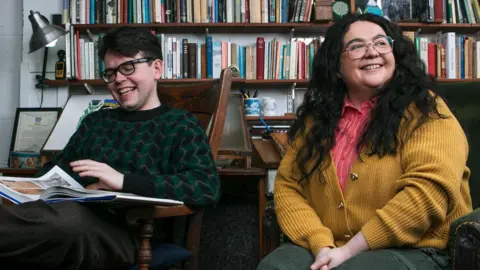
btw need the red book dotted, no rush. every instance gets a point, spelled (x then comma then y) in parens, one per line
(247, 11)
(260, 57)
(77, 54)
(432, 59)
(438, 11)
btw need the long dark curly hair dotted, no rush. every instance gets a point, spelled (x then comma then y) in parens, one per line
(326, 93)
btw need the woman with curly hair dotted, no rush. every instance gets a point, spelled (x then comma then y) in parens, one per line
(375, 172)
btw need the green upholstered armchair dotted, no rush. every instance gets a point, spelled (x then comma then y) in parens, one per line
(464, 242)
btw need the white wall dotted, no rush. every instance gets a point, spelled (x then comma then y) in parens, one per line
(10, 58)
(32, 63)
(18, 68)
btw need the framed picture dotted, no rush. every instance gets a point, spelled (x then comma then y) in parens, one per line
(32, 127)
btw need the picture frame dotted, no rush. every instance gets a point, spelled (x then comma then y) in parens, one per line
(32, 127)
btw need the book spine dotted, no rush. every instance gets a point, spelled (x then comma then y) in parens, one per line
(185, 62)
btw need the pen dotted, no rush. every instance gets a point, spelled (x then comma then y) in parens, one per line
(263, 122)
(265, 135)
(255, 94)
(243, 93)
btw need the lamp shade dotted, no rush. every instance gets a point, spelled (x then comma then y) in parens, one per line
(43, 32)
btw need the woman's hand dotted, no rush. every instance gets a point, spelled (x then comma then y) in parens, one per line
(319, 255)
(328, 258)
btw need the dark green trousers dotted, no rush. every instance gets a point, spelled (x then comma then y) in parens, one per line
(291, 257)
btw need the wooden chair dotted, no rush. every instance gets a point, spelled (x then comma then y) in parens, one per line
(208, 102)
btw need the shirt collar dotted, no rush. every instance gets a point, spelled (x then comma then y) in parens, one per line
(364, 108)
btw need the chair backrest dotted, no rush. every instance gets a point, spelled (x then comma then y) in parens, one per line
(208, 101)
(463, 99)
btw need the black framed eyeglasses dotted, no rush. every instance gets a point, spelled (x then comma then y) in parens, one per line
(357, 49)
(125, 68)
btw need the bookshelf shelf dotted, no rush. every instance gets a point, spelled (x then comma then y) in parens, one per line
(458, 80)
(287, 117)
(435, 27)
(275, 82)
(236, 82)
(198, 28)
(102, 83)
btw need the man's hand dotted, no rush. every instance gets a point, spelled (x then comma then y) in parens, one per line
(328, 258)
(109, 179)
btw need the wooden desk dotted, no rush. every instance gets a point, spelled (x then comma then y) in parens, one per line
(256, 174)
(259, 175)
(18, 172)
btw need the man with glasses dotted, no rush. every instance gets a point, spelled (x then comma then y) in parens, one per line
(143, 147)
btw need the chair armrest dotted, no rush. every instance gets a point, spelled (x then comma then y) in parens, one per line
(464, 242)
(153, 212)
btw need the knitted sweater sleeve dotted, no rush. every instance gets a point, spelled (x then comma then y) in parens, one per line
(70, 152)
(296, 216)
(433, 160)
(192, 177)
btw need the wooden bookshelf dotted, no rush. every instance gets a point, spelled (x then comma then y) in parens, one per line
(236, 82)
(310, 28)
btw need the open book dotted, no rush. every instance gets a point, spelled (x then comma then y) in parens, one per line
(56, 185)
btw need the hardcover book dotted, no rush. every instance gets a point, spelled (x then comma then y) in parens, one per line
(57, 186)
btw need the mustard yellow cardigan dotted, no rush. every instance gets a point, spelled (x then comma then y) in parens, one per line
(407, 199)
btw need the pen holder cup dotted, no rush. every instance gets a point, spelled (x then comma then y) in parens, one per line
(252, 106)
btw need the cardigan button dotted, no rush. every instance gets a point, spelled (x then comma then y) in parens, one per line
(348, 236)
(353, 176)
(341, 206)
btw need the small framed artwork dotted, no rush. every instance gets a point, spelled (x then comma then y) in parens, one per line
(32, 127)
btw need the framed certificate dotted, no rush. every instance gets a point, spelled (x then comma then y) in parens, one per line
(32, 127)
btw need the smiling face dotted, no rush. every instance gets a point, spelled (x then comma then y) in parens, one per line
(371, 71)
(137, 91)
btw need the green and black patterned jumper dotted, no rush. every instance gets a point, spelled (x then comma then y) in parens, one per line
(162, 153)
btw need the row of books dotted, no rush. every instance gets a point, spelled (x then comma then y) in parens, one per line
(182, 58)
(438, 11)
(261, 60)
(446, 56)
(461, 11)
(450, 55)
(186, 11)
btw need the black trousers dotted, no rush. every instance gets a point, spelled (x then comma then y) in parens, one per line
(65, 235)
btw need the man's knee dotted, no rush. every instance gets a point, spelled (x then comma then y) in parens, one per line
(287, 257)
(67, 221)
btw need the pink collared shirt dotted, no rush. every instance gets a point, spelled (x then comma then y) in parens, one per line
(350, 128)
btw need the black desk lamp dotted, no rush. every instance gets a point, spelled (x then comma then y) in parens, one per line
(44, 35)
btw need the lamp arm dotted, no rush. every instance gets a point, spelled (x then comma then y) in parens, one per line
(41, 78)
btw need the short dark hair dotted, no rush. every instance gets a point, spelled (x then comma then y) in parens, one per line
(129, 41)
